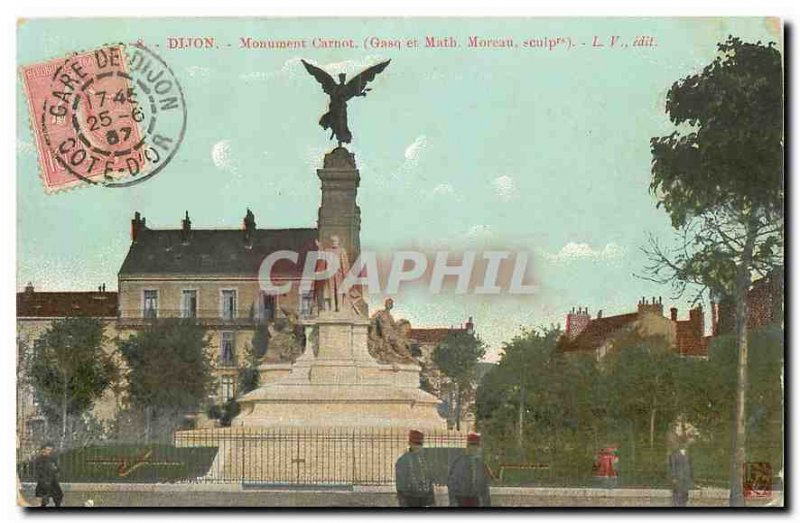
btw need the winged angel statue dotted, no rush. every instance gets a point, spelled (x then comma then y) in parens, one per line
(336, 117)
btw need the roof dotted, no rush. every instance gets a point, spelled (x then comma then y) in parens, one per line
(597, 332)
(31, 304)
(215, 251)
(433, 335)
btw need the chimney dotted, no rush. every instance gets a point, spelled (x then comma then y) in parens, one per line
(696, 319)
(186, 228)
(137, 224)
(29, 288)
(470, 326)
(576, 322)
(249, 227)
(600, 314)
(673, 314)
(653, 307)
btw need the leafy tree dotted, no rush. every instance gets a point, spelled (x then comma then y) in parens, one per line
(764, 423)
(524, 391)
(169, 368)
(68, 368)
(248, 375)
(457, 356)
(645, 379)
(719, 176)
(260, 342)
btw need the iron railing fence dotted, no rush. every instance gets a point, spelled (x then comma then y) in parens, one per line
(360, 456)
(254, 456)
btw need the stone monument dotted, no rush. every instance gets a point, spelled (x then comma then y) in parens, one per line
(354, 376)
(355, 381)
(353, 372)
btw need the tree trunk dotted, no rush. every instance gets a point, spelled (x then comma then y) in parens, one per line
(458, 407)
(521, 421)
(740, 422)
(652, 426)
(147, 417)
(64, 414)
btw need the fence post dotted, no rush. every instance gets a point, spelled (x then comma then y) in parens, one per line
(353, 450)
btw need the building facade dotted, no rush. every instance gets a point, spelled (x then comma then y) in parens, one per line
(36, 312)
(687, 337)
(600, 335)
(212, 276)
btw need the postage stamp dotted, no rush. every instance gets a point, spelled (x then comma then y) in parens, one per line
(114, 116)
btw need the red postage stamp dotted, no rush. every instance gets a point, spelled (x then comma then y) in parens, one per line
(99, 117)
(81, 114)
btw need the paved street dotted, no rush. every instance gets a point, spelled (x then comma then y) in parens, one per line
(143, 495)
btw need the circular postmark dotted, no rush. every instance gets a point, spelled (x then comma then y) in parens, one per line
(115, 116)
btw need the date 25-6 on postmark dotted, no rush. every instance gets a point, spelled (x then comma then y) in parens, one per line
(114, 116)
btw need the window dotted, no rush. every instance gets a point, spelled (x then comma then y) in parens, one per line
(226, 354)
(228, 304)
(227, 388)
(150, 304)
(306, 303)
(189, 304)
(268, 302)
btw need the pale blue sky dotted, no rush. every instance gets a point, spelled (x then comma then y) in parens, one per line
(546, 151)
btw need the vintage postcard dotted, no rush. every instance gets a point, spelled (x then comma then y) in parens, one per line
(400, 262)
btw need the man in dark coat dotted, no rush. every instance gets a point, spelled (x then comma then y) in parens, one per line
(46, 468)
(680, 470)
(469, 479)
(413, 476)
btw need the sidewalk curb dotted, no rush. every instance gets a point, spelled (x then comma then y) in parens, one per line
(580, 492)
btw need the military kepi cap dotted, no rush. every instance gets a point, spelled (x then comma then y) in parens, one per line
(416, 437)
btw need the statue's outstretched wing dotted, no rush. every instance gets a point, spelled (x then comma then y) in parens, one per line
(328, 83)
(357, 84)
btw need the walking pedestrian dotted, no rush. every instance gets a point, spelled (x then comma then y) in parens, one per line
(46, 468)
(413, 475)
(680, 469)
(469, 478)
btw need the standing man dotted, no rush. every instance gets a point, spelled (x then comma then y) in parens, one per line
(46, 468)
(469, 478)
(413, 476)
(680, 469)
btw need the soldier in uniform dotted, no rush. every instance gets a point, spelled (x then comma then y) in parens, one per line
(413, 476)
(680, 471)
(46, 468)
(469, 478)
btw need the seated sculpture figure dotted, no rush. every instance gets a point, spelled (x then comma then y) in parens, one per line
(388, 340)
(285, 339)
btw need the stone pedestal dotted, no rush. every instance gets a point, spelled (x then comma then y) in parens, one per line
(336, 383)
(339, 214)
